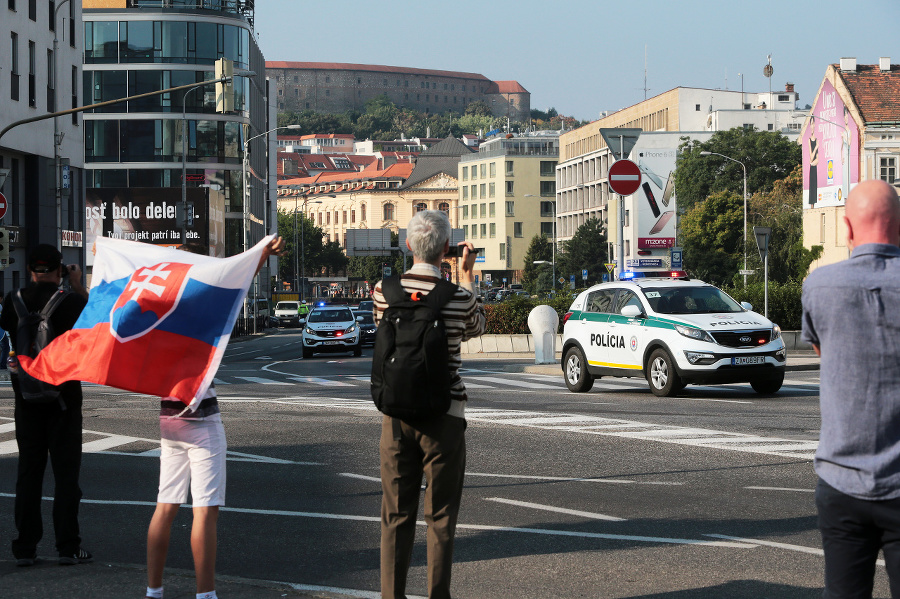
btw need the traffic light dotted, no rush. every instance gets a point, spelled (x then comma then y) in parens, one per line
(224, 90)
(4, 248)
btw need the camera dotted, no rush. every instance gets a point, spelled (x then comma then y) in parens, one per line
(456, 251)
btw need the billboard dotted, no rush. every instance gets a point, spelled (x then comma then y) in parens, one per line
(830, 151)
(148, 214)
(654, 203)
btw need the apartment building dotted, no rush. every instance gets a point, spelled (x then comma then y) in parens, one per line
(507, 195)
(40, 73)
(852, 134)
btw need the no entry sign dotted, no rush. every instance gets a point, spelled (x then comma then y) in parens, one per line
(624, 177)
(3, 205)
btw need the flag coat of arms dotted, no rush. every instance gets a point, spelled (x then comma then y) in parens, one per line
(157, 321)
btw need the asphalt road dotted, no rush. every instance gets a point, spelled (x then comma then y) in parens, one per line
(610, 493)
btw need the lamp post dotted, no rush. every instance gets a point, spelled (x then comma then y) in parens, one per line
(57, 137)
(705, 153)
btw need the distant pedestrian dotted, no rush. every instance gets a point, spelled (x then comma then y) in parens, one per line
(48, 428)
(192, 457)
(435, 446)
(858, 459)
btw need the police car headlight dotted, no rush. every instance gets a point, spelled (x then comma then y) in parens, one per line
(309, 331)
(698, 334)
(351, 329)
(699, 358)
(776, 332)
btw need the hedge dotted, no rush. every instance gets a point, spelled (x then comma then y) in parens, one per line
(511, 316)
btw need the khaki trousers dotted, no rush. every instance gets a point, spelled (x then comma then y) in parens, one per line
(436, 448)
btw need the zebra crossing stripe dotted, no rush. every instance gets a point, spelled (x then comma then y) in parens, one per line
(8, 427)
(511, 383)
(320, 381)
(261, 381)
(9, 447)
(108, 443)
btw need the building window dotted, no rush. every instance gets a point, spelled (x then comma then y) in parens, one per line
(503, 251)
(491, 189)
(493, 169)
(445, 208)
(421, 206)
(14, 70)
(474, 192)
(483, 190)
(388, 212)
(465, 212)
(474, 231)
(509, 168)
(697, 107)
(327, 92)
(784, 98)
(517, 230)
(509, 188)
(822, 228)
(888, 169)
(320, 219)
(493, 229)
(466, 231)
(483, 231)
(51, 79)
(548, 189)
(74, 94)
(483, 210)
(362, 210)
(547, 230)
(510, 208)
(352, 216)
(483, 171)
(548, 168)
(465, 173)
(32, 10)
(327, 79)
(465, 192)
(32, 67)
(344, 217)
(627, 218)
(492, 212)
(546, 209)
(627, 247)
(51, 13)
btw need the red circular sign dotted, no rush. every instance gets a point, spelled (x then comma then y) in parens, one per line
(624, 177)
(3, 205)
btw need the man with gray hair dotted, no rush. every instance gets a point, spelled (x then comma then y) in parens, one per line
(435, 446)
(858, 459)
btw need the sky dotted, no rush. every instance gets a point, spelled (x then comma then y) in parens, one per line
(587, 56)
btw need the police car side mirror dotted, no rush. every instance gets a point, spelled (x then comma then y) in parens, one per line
(747, 306)
(631, 311)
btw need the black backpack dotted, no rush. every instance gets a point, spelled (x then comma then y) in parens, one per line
(410, 365)
(35, 332)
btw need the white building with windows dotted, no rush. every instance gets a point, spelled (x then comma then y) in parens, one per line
(36, 80)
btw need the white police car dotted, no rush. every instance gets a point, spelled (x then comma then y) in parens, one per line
(673, 332)
(331, 329)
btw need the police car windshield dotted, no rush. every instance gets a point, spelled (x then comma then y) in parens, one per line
(690, 300)
(330, 316)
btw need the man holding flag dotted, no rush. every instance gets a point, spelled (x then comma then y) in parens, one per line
(157, 322)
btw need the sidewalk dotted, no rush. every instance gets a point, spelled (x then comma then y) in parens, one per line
(104, 580)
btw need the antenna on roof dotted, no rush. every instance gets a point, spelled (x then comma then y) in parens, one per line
(646, 89)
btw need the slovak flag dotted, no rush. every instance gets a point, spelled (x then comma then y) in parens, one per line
(157, 321)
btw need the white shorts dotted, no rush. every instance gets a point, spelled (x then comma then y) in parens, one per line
(192, 453)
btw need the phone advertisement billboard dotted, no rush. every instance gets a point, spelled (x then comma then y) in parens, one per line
(654, 203)
(148, 215)
(830, 151)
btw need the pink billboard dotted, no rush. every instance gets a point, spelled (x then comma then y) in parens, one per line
(830, 151)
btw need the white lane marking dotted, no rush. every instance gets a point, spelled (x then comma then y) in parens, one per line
(470, 385)
(263, 358)
(788, 546)
(781, 489)
(8, 427)
(99, 445)
(575, 480)
(511, 383)
(485, 527)
(261, 381)
(315, 380)
(559, 510)
(219, 381)
(360, 476)
(717, 400)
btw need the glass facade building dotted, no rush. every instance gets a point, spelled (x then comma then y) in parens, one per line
(141, 47)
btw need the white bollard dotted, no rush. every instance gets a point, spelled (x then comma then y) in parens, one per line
(543, 322)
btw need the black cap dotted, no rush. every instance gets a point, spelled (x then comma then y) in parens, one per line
(44, 258)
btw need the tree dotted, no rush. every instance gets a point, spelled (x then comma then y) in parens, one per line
(585, 250)
(712, 237)
(768, 156)
(538, 249)
(313, 248)
(478, 108)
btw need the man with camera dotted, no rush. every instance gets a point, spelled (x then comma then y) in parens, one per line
(48, 428)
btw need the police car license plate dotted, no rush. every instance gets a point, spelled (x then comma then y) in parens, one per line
(330, 342)
(745, 360)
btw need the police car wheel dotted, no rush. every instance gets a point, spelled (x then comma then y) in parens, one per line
(307, 354)
(664, 381)
(357, 351)
(767, 386)
(578, 379)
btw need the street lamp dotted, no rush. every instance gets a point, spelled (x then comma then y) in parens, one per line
(57, 137)
(302, 270)
(705, 153)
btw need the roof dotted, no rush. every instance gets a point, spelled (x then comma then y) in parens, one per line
(341, 66)
(508, 87)
(328, 136)
(442, 157)
(876, 93)
(358, 180)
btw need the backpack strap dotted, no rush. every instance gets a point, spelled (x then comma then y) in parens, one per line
(442, 293)
(54, 302)
(392, 290)
(19, 304)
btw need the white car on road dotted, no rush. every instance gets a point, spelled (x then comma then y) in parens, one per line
(673, 332)
(331, 329)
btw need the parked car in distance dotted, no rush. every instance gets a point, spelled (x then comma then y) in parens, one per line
(366, 306)
(331, 329)
(287, 314)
